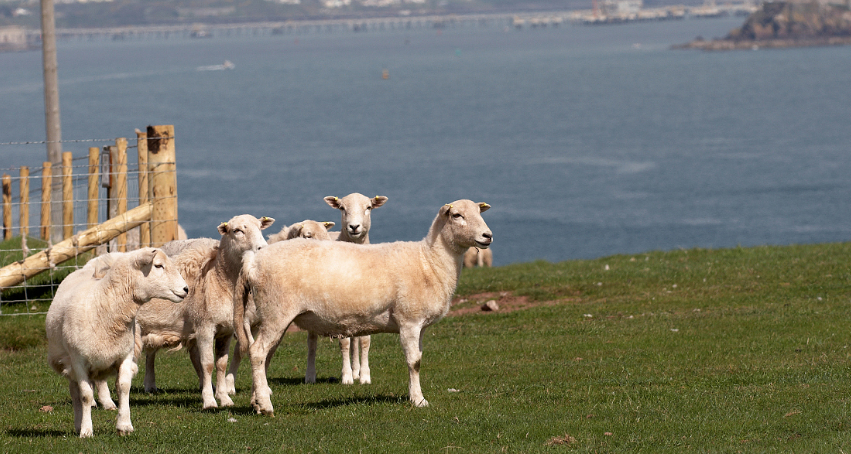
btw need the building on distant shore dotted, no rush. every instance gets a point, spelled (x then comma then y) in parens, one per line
(13, 38)
(621, 8)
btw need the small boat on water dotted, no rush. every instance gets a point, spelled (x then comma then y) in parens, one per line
(226, 65)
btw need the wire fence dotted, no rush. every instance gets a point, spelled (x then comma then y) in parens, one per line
(57, 217)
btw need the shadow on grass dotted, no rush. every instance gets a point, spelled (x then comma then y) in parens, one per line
(181, 398)
(324, 404)
(294, 381)
(378, 399)
(35, 433)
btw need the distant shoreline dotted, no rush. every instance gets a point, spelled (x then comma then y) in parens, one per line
(756, 44)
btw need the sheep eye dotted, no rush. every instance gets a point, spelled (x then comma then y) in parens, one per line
(457, 216)
(158, 265)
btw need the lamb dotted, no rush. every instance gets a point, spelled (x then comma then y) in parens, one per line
(336, 288)
(303, 229)
(92, 321)
(204, 321)
(478, 257)
(356, 220)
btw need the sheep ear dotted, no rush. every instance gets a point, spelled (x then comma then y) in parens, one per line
(333, 202)
(444, 210)
(294, 230)
(484, 207)
(378, 200)
(223, 228)
(100, 270)
(145, 258)
(266, 222)
(328, 225)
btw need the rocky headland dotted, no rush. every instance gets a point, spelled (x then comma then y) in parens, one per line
(785, 24)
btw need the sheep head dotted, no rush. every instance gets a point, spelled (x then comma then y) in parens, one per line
(355, 211)
(463, 226)
(243, 234)
(157, 277)
(310, 230)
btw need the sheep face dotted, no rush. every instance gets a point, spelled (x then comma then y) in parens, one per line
(310, 230)
(160, 278)
(356, 209)
(243, 234)
(464, 227)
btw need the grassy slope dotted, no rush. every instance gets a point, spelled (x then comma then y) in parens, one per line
(684, 351)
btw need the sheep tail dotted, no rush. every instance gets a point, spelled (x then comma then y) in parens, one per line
(240, 299)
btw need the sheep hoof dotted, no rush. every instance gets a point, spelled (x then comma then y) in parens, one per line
(151, 389)
(421, 403)
(226, 401)
(209, 405)
(109, 406)
(126, 430)
(347, 380)
(86, 433)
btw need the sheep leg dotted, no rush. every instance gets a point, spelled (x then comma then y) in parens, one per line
(103, 395)
(412, 344)
(196, 363)
(230, 379)
(77, 403)
(126, 371)
(310, 374)
(266, 341)
(365, 342)
(355, 358)
(150, 374)
(345, 347)
(237, 359)
(222, 388)
(84, 399)
(206, 346)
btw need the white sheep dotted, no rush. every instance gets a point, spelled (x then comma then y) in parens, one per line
(204, 322)
(91, 326)
(356, 220)
(336, 288)
(308, 229)
(303, 229)
(478, 257)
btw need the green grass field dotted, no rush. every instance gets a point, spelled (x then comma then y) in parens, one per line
(735, 350)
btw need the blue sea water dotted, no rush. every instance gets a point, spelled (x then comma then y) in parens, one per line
(587, 141)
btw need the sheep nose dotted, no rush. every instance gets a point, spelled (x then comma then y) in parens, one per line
(488, 235)
(354, 228)
(186, 290)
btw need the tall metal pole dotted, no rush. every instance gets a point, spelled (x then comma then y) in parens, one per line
(51, 106)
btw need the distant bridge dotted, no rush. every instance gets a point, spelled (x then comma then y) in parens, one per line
(513, 20)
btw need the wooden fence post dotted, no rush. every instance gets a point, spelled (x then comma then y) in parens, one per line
(46, 176)
(142, 148)
(7, 207)
(67, 195)
(163, 182)
(94, 175)
(119, 187)
(25, 202)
